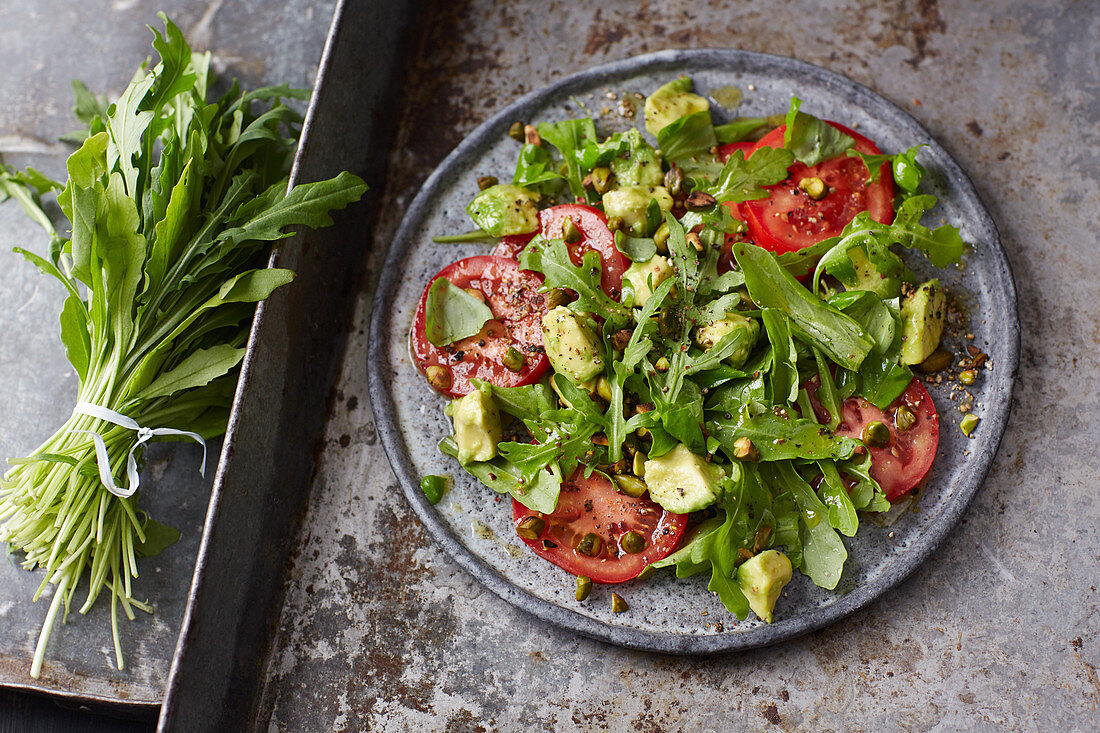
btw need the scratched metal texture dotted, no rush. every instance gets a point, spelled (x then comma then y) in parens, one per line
(43, 45)
(381, 631)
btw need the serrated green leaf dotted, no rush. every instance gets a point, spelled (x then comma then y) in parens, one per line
(197, 370)
(307, 204)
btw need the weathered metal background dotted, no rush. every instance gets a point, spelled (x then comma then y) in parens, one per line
(380, 631)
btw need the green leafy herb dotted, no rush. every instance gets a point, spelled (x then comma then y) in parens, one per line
(942, 246)
(739, 130)
(571, 138)
(535, 170)
(503, 477)
(174, 200)
(818, 324)
(812, 140)
(637, 249)
(551, 258)
(690, 136)
(452, 314)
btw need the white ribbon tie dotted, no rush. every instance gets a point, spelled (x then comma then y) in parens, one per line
(144, 435)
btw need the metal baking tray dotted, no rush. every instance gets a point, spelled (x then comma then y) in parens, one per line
(283, 397)
(219, 587)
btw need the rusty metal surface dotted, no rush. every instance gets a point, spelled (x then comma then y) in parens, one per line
(999, 630)
(43, 45)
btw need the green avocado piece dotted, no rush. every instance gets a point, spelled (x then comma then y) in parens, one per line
(683, 482)
(671, 102)
(869, 278)
(641, 167)
(644, 277)
(922, 317)
(570, 345)
(628, 204)
(477, 426)
(762, 578)
(505, 209)
(710, 335)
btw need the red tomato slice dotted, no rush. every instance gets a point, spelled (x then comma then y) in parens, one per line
(594, 236)
(593, 505)
(513, 296)
(790, 220)
(513, 244)
(903, 462)
(729, 149)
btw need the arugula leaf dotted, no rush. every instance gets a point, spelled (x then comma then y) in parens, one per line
(529, 402)
(551, 258)
(637, 249)
(451, 314)
(881, 379)
(942, 246)
(503, 477)
(842, 512)
(571, 137)
(866, 495)
(781, 438)
(688, 137)
(682, 416)
(784, 372)
(771, 286)
(739, 180)
(906, 171)
(812, 140)
(823, 552)
(535, 169)
(743, 180)
(738, 130)
(693, 557)
(634, 352)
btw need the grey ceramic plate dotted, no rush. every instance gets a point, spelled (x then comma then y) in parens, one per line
(667, 614)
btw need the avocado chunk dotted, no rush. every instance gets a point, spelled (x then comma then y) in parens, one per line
(644, 277)
(505, 209)
(922, 317)
(671, 102)
(477, 426)
(868, 277)
(641, 166)
(762, 578)
(746, 331)
(683, 482)
(629, 204)
(570, 345)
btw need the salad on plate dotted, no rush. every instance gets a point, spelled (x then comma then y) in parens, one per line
(696, 354)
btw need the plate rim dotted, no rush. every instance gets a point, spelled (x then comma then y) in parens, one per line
(667, 642)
